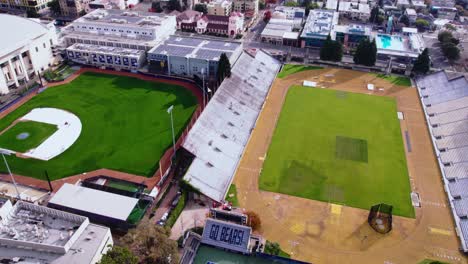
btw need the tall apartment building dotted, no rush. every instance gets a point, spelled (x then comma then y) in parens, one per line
(24, 4)
(116, 38)
(74, 8)
(219, 8)
(248, 7)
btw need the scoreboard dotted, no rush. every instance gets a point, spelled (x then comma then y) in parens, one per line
(226, 235)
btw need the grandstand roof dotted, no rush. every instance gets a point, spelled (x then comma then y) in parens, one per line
(445, 101)
(221, 132)
(94, 201)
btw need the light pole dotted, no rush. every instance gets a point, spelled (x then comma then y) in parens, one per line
(6, 152)
(203, 86)
(169, 111)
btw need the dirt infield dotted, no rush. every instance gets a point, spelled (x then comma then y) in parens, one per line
(164, 161)
(320, 232)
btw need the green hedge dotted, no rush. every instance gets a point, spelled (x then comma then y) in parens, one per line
(177, 210)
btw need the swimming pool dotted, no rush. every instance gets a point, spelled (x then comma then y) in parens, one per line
(390, 42)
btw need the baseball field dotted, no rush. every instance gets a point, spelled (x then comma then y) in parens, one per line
(339, 147)
(125, 125)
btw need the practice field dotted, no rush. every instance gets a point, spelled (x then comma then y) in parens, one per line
(125, 124)
(339, 147)
(26, 135)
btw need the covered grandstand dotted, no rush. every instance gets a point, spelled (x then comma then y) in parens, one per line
(445, 103)
(219, 137)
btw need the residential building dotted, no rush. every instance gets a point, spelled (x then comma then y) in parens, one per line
(120, 29)
(318, 26)
(445, 9)
(411, 14)
(290, 12)
(332, 5)
(37, 5)
(351, 35)
(27, 47)
(248, 7)
(187, 20)
(37, 234)
(106, 208)
(418, 5)
(354, 10)
(221, 25)
(403, 4)
(112, 4)
(184, 56)
(280, 32)
(74, 8)
(219, 7)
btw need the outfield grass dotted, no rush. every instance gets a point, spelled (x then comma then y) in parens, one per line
(397, 80)
(340, 148)
(37, 133)
(125, 124)
(233, 199)
(289, 69)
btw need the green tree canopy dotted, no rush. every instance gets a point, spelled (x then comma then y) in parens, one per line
(151, 244)
(422, 63)
(366, 53)
(54, 7)
(331, 50)
(32, 13)
(156, 6)
(405, 20)
(224, 68)
(201, 8)
(444, 36)
(375, 12)
(290, 3)
(421, 24)
(118, 255)
(451, 51)
(174, 5)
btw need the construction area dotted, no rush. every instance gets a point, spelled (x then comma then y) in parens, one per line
(323, 232)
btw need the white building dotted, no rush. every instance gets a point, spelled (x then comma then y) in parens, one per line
(355, 10)
(115, 38)
(318, 26)
(291, 12)
(25, 49)
(219, 7)
(248, 7)
(40, 235)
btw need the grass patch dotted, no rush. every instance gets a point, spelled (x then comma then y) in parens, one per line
(274, 248)
(37, 133)
(232, 191)
(177, 210)
(307, 164)
(397, 80)
(59, 74)
(122, 186)
(289, 69)
(431, 261)
(138, 212)
(125, 125)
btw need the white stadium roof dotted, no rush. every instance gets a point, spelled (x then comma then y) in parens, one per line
(220, 134)
(18, 31)
(94, 201)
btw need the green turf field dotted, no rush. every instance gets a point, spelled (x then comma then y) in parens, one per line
(36, 134)
(289, 69)
(397, 80)
(340, 147)
(125, 124)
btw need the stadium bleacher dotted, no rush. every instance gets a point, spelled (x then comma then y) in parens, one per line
(218, 138)
(445, 104)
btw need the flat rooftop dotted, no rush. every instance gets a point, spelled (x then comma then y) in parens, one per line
(320, 23)
(94, 201)
(106, 50)
(124, 18)
(195, 48)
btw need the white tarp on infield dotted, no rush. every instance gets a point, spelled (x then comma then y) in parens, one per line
(68, 131)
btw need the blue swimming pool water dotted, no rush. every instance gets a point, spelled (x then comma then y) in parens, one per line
(390, 42)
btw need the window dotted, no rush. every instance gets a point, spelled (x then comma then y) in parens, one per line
(51, 43)
(37, 49)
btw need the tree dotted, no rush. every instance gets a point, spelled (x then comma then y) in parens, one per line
(422, 63)
(118, 255)
(267, 16)
(366, 53)
(375, 12)
(421, 24)
(261, 5)
(405, 20)
(82, 12)
(156, 7)
(32, 13)
(253, 220)
(54, 7)
(331, 50)
(290, 3)
(310, 6)
(151, 244)
(224, 68)
(201, 8)
(272, 248)
(444, 36)
(174, 5)
(451, 51)
(450, 27)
